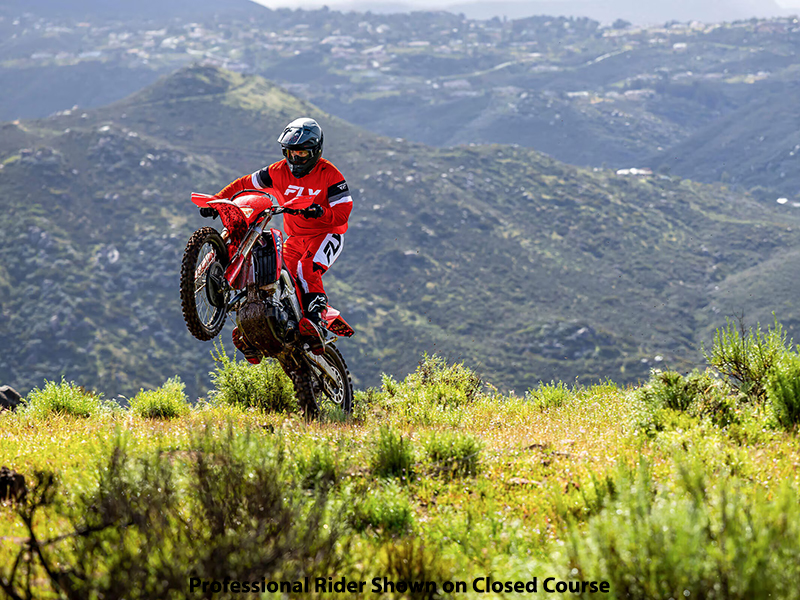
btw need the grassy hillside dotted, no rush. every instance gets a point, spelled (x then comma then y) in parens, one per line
(686, 485)
(526, 268)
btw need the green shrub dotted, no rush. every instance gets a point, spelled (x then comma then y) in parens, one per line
(65, 398)
(435, 394)
(719, 406)
(408, 559)
(448, 385)
(389, 385)
(385, 509)
(223, 509)
(550, 395)
(453, 454)
(670, 389)
(783, 392)
(392, 455)
(746, 358)
(319, 467)
(367, 401)
(698, 394)
(690, 539)
(263, 386)
(167, 402)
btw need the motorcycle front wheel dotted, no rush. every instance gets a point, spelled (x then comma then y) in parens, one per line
(204, 294)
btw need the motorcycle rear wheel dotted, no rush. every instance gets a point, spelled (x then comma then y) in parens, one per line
(315, 392)
(204, 296)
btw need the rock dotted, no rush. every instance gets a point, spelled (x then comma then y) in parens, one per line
(12, 486)
(9, 398)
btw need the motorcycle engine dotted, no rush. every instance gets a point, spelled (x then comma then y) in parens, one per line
(263, 321)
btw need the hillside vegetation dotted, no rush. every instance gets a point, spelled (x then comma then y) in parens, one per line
(526, 268)
(707, 100)
(683, 487)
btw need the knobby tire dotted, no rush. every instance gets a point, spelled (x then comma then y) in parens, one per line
(197, 327)
(310, 399)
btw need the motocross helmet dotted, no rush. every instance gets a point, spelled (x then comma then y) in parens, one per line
(301, 141)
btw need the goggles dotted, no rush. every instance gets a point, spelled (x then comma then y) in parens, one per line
(301, 154)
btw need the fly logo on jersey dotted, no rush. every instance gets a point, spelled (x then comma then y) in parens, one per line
(296, 189)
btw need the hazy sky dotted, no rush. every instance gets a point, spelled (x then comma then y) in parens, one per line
(428, 3)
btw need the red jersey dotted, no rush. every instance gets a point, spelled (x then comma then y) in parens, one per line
(324, 182)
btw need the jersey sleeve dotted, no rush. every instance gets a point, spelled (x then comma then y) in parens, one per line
(257, 181)
(340, 202)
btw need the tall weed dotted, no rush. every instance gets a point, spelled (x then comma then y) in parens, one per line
(435, 394)
(319, 467)
(698, 394)
(453, 454)
(448, 385)
(783, 392)
(392, 455)
(384, 509)
(550, 395)
(746, 357)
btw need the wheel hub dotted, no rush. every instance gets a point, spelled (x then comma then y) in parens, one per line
(335, 392)
(215, 284)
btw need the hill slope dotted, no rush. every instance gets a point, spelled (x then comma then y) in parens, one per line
(523, 266)
(756, 145)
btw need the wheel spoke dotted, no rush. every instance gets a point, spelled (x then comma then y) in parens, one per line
(206, 258)
(205, 310)
(334, 391)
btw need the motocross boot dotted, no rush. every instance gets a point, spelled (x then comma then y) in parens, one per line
(251, 353)
(312, 325)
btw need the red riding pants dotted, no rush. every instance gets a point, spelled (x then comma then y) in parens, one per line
(307, 258)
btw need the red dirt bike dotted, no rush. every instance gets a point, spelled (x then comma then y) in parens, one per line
(241, 271)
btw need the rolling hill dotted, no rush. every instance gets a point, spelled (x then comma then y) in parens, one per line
(691, 99)
(524, 267)
(756, 146)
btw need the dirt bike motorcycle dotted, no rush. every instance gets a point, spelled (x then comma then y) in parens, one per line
(240, 271)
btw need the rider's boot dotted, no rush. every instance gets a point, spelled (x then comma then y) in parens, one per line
(311, 325)
(251, 353)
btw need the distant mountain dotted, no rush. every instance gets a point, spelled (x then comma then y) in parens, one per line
(582, 93)
(637, 12)
(526, 268)
(86, 84)
(126, 9)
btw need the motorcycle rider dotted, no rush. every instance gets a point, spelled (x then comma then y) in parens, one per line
(315, 236)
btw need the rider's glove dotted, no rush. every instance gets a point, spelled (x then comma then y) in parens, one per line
(207, 211)
(315, 211)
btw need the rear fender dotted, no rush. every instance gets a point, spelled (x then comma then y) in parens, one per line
(232, 216)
